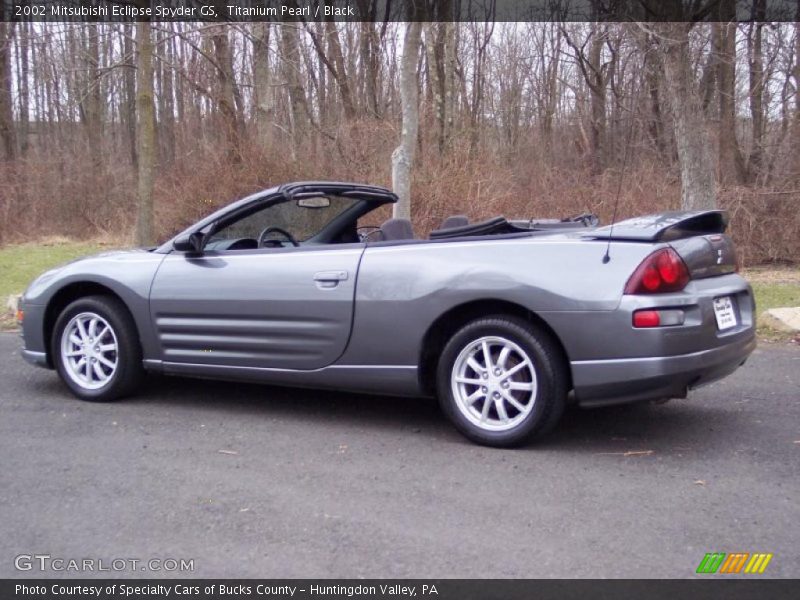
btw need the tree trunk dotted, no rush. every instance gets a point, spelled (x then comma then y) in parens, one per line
(166, 129)
(229, 101)
(290, 65)
(731, 163)
(597, 86)
(146, 134)
(656, 125)
(90, 103)
(796, 133)
(129, 85)
(551, 73)
(24, 42)
(403, 155)
(339, 71)
(7, 136)
(434, 49)
(261, 82)
(597, 75)
(756, 93)
(698, 188)
(439, 49)
(370, 64)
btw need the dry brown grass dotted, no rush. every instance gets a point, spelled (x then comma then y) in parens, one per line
(773, 275)
(64, 194)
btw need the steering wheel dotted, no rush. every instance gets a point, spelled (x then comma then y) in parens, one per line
(365, 232)
(588, 219)
(262, 241)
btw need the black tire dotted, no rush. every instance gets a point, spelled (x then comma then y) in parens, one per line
(129, 371)
(551, 380)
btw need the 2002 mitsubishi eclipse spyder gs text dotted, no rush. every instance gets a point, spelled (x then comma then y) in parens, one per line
(502, 320)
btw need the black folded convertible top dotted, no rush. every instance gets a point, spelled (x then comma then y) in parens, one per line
(488, 227)
(500, 225)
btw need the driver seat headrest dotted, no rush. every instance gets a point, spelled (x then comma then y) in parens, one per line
(397, 229)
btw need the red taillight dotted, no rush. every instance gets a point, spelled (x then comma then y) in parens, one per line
(663, 271)
(646, 318)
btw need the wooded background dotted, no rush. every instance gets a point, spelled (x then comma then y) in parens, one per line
(109, 129)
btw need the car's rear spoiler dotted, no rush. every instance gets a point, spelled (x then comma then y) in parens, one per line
(664, 227)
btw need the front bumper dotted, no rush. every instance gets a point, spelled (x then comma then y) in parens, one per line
(38, 359)
(619, 381)
(32, 332)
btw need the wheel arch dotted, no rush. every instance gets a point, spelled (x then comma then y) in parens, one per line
(455, 318)
(66, 295)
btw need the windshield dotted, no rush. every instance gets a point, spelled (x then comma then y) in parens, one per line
(303, 218)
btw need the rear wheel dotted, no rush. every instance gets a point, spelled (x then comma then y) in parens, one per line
(502, 381)
(96, 350)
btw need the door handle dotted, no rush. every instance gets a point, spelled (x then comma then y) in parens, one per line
(330, 276)
(329, 279)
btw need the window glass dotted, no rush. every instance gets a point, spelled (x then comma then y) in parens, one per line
(303, 218)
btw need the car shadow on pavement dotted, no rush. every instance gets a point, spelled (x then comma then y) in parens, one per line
(259, 400)
(641, 429)
(628, 430)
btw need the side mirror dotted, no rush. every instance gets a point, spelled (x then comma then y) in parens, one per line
(189, 243)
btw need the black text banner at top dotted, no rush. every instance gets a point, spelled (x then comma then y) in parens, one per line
(400, 10)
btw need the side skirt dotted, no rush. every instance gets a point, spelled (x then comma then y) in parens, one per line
(392, 380)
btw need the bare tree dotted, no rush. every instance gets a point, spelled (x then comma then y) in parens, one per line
(229, 98)
(698, 186)
(166, 101)
(597, 72)
(6, 97)
(334, 61)
(403, 155)
(731, 162)
(261, 81)
(128, 102)
(146, 142)
(290, 67)
(510, 108)
(796, 134)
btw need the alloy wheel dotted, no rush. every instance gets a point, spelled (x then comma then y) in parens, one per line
(89, 350)
(494, 383)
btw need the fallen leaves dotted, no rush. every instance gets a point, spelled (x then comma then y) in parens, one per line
(699, 482)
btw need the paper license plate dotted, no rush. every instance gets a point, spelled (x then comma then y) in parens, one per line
(725, 311)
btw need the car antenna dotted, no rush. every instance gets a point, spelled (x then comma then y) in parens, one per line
(625, 154)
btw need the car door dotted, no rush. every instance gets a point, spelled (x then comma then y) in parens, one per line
(287, 308)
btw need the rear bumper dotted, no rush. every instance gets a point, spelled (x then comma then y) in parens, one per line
(619, 381)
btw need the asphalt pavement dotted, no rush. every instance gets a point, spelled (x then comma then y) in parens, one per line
(255, 481)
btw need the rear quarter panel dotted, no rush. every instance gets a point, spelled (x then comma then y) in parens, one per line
(402, 289)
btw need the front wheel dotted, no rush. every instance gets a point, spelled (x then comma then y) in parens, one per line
(96, 349)
(502, 381)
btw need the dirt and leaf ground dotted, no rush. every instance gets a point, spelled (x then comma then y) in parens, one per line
(19, 264)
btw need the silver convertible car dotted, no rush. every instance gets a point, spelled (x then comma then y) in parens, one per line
(505, 321)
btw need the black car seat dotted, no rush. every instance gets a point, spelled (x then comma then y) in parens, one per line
(397, 229)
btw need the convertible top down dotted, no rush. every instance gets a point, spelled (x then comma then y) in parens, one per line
(504, 320)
